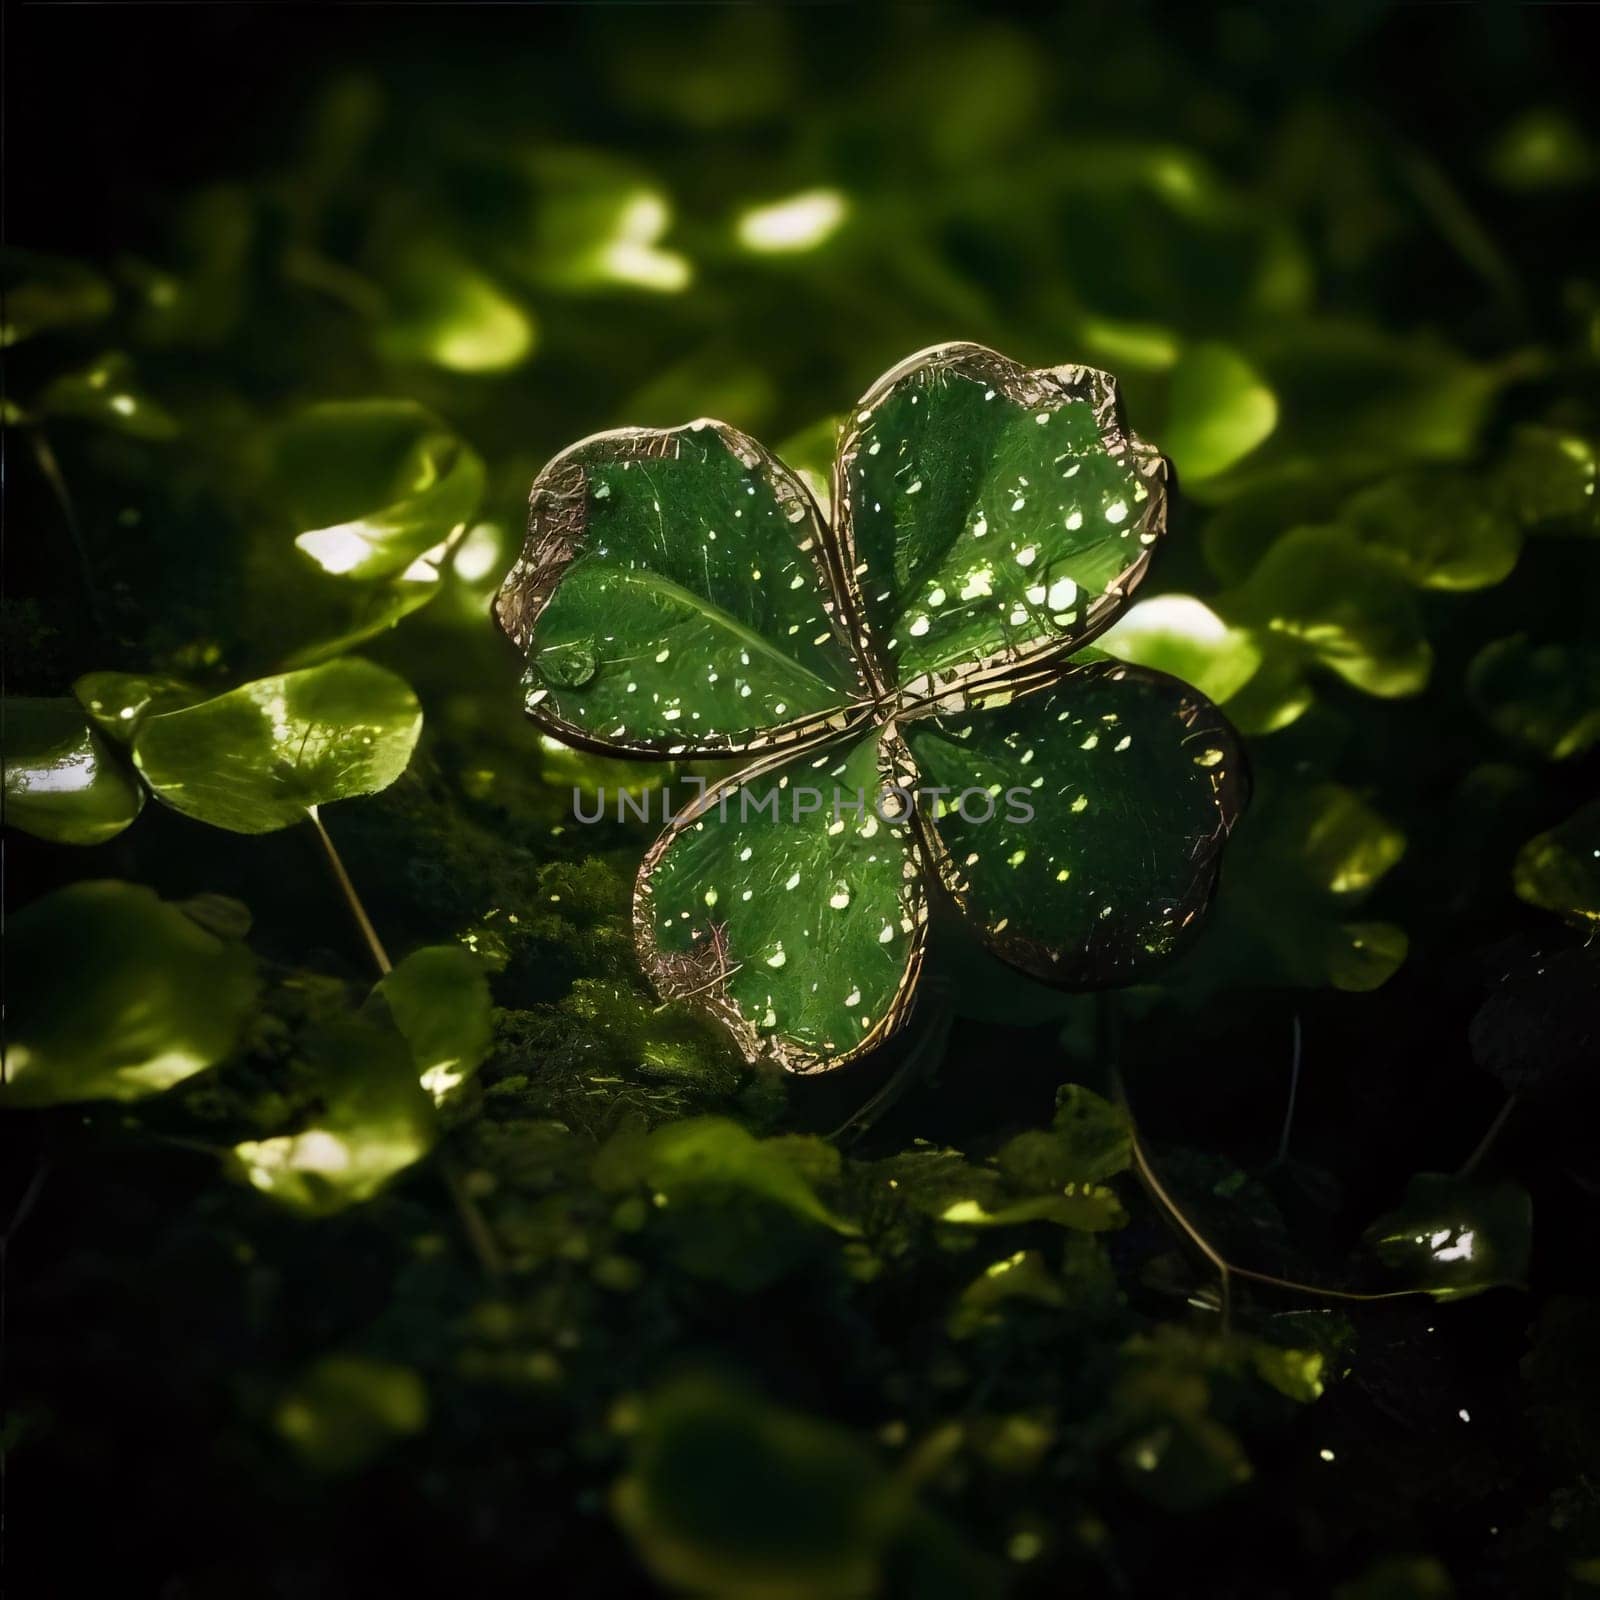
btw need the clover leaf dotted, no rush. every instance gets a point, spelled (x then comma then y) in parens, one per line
(908, 687)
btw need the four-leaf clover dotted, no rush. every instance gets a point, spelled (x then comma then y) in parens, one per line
(682, 595)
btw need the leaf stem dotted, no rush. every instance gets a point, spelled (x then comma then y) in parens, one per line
(1503, 1116)
(374, 944)
(473, 1223)
(50, 470)
(1226, 1270)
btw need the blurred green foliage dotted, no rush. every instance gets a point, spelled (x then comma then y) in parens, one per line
(288, 409)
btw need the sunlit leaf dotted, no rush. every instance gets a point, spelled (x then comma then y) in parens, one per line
(1341, 608)
(1545, 697)
(439, 999)
(674, 596)
(1219, 411)
(1559, 871)
(1345, 846)
(373, 1121)
(727, 1496)
(797, 223)
(345, 1411)
(43, 293)
(443, 310)
(1442, 529)
(597, 224)
(1454, 1237)
(114, 995)
(989, 514)
(107, 393)
(1548, 478)
(375, 484)
(1277, 694)
(118, 702)
(1091, 1208)
(797, 922)
(261, 756)
(1183, 637)
(63, 782)
(1081, 829)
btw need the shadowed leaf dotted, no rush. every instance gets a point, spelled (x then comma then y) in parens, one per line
(1454, 1237)
(115, 995)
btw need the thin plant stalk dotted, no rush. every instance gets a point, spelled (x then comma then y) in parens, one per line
(473, 1222)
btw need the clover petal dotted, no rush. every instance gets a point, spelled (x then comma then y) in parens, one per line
(1133, 780)
(800, 928)
(988, 515)
(675, 597)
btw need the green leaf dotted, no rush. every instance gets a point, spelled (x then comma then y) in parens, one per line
(63, 783)
(1220, 409)
(988, 514)
(1542, 149)
(374, 1120)
(262, 756)
(675, 597)
(1083, 827)
(796, 922)
(106, 393)
(1183, 637)
(1341, 609)
(444, 311)
(1439, 528)
(44, 293)
(1559, 870)
(370, 609)
(704, 1154)
(1088, 1142)
(118, 702)
(1352, 396)
(345, 1411)
(1454, 1237)
(596, 224)
(375, 484)
(1548, 478)
(116, 995)
(729, 1497)
(1400, 1578)
(439, 999)
(1544, 697)
(1088, 1207)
